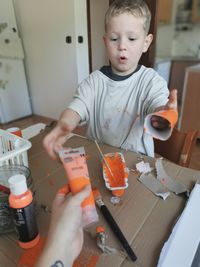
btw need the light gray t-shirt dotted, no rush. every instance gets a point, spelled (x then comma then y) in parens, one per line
(115, 110)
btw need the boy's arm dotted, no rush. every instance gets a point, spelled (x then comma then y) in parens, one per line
(54, 141)
(161, 123)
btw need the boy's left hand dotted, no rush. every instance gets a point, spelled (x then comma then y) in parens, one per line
(160, 123)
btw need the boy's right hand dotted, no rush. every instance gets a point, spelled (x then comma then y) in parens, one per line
(54, 141)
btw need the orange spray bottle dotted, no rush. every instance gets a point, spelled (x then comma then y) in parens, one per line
(21, 202)
(75, 165)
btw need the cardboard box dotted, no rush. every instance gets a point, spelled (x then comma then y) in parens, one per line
(145, 220)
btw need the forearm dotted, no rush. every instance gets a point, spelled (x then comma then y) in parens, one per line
(55, 255)
(69, 119)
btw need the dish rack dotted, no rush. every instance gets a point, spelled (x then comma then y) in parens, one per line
(13, 149)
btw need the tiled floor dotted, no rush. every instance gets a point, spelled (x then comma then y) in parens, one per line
(23, 123)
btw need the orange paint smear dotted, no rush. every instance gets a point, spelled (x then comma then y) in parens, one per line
(30, 256)
(86, 258)
(51, 182)
(64, 190)
(87, 157)
(117, 167)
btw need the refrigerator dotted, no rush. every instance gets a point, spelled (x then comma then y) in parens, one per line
(14, 95)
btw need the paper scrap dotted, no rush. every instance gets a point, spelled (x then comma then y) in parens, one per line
(33, 130)
(154, 185)
(172, 184)
(181, 247)
(143, 167)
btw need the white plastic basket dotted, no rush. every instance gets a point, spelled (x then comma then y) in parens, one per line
(13, 149)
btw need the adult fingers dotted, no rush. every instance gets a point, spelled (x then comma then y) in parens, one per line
(64, 190)
(79, 197)
(58, 200)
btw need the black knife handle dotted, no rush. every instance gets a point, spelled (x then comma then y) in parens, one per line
(118, 233)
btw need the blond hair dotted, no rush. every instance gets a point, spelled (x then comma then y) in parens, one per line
(137, 8)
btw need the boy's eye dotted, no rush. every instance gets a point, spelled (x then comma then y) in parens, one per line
(131, 39)
(113, 39)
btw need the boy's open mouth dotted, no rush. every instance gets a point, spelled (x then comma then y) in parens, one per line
(122, 59)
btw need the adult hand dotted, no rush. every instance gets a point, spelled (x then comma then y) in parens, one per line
(160, 123)
(65, 237)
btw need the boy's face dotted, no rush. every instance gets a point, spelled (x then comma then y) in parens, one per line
(125, 41)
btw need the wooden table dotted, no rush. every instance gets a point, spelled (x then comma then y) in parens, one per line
(145, 219)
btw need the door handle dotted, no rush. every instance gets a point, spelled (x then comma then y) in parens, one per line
(68, 39)
(80, 39)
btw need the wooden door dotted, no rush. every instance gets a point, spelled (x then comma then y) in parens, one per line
(196, 10)
(148, 58)
(165, 8)
(190, 108)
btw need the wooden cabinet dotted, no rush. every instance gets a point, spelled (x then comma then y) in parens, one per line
(196, 10)
(164, 10)
(190, 108)
(177, 74)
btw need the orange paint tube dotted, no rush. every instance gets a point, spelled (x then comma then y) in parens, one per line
(75, 165)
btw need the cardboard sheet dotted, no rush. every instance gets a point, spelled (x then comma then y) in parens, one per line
(154, 185)
(145, 219)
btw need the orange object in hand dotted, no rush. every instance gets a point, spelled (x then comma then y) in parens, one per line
(75, 166)
(170, 115)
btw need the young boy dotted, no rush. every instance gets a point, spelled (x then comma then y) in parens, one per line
(115, 100)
